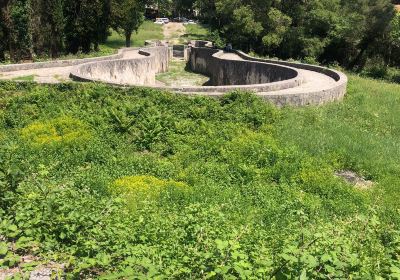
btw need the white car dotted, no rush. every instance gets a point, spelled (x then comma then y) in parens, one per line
(159, 21)
(190, 22)
(165, 20)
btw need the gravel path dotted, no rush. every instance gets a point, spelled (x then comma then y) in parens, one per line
(172, 31)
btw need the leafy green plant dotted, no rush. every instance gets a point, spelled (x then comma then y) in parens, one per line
(135, 183)
(63, 130)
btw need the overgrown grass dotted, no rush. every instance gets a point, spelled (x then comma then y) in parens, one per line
(136, 183)
(27, 78)
(360, 134)
(178, 75)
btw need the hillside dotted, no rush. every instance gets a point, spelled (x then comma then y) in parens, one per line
(135, 183)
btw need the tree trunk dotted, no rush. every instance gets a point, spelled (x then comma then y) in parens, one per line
(128, 39)
(2, 55)
(358, 58)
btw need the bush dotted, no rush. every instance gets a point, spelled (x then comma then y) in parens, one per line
(61, 131)
(135, 183)
(142, 189)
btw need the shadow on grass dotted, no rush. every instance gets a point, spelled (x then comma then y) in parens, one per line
(189, 70)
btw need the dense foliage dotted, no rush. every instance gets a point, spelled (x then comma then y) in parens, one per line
(136, 183)
(351, 33)
(30, 28)
(127, 15)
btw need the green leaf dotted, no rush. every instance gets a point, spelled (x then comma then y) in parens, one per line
(303, 275)
(325, 258)
(3, 248)
(221, 245)
(395, 272)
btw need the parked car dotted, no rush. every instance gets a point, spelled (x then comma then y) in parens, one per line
(166, 20)
(180, 19)
(159, 21)
(190, 22)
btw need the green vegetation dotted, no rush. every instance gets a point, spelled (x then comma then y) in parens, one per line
(147, 31)
(195, 32)
(179, 75)
(359, 35)
(28, 78)
(39, 28)
(137, 183)
(126, 17)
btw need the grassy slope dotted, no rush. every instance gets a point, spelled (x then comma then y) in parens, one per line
(147, 31)
(260, 199)
(195, 32)
(361, 133)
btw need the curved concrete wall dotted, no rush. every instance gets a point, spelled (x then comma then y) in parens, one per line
(280, 82)
(61, 63)
(134, 71)
(311, 96)
(224, 72)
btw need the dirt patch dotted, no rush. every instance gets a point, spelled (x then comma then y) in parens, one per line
(41, 272)
(173, 31)
(353, 178)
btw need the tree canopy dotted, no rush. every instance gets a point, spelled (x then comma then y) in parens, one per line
(346, 32)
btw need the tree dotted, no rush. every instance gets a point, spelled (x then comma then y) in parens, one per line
(86, 24)
(348, 32)
(19, 36)
(127, 16)
(3, 30)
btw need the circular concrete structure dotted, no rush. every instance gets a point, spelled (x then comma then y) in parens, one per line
(280, 82)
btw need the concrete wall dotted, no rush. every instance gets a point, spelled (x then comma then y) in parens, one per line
(135, 71)
(236, 72)
(336, 75)
(203, 60)
(61, 63)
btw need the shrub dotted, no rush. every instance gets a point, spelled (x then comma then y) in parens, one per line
(143, 188)
(60, 131)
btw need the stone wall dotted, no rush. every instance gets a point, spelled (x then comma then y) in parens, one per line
(134, 71)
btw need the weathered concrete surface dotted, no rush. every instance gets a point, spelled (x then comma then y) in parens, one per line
(57, 71)
(280, 82)
(319, 84)
(131, 71)
(224, 71)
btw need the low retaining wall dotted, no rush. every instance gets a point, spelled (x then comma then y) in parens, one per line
(224, 72)
(134, 71)
(314, 96)
(336, 75)
(61, 63)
